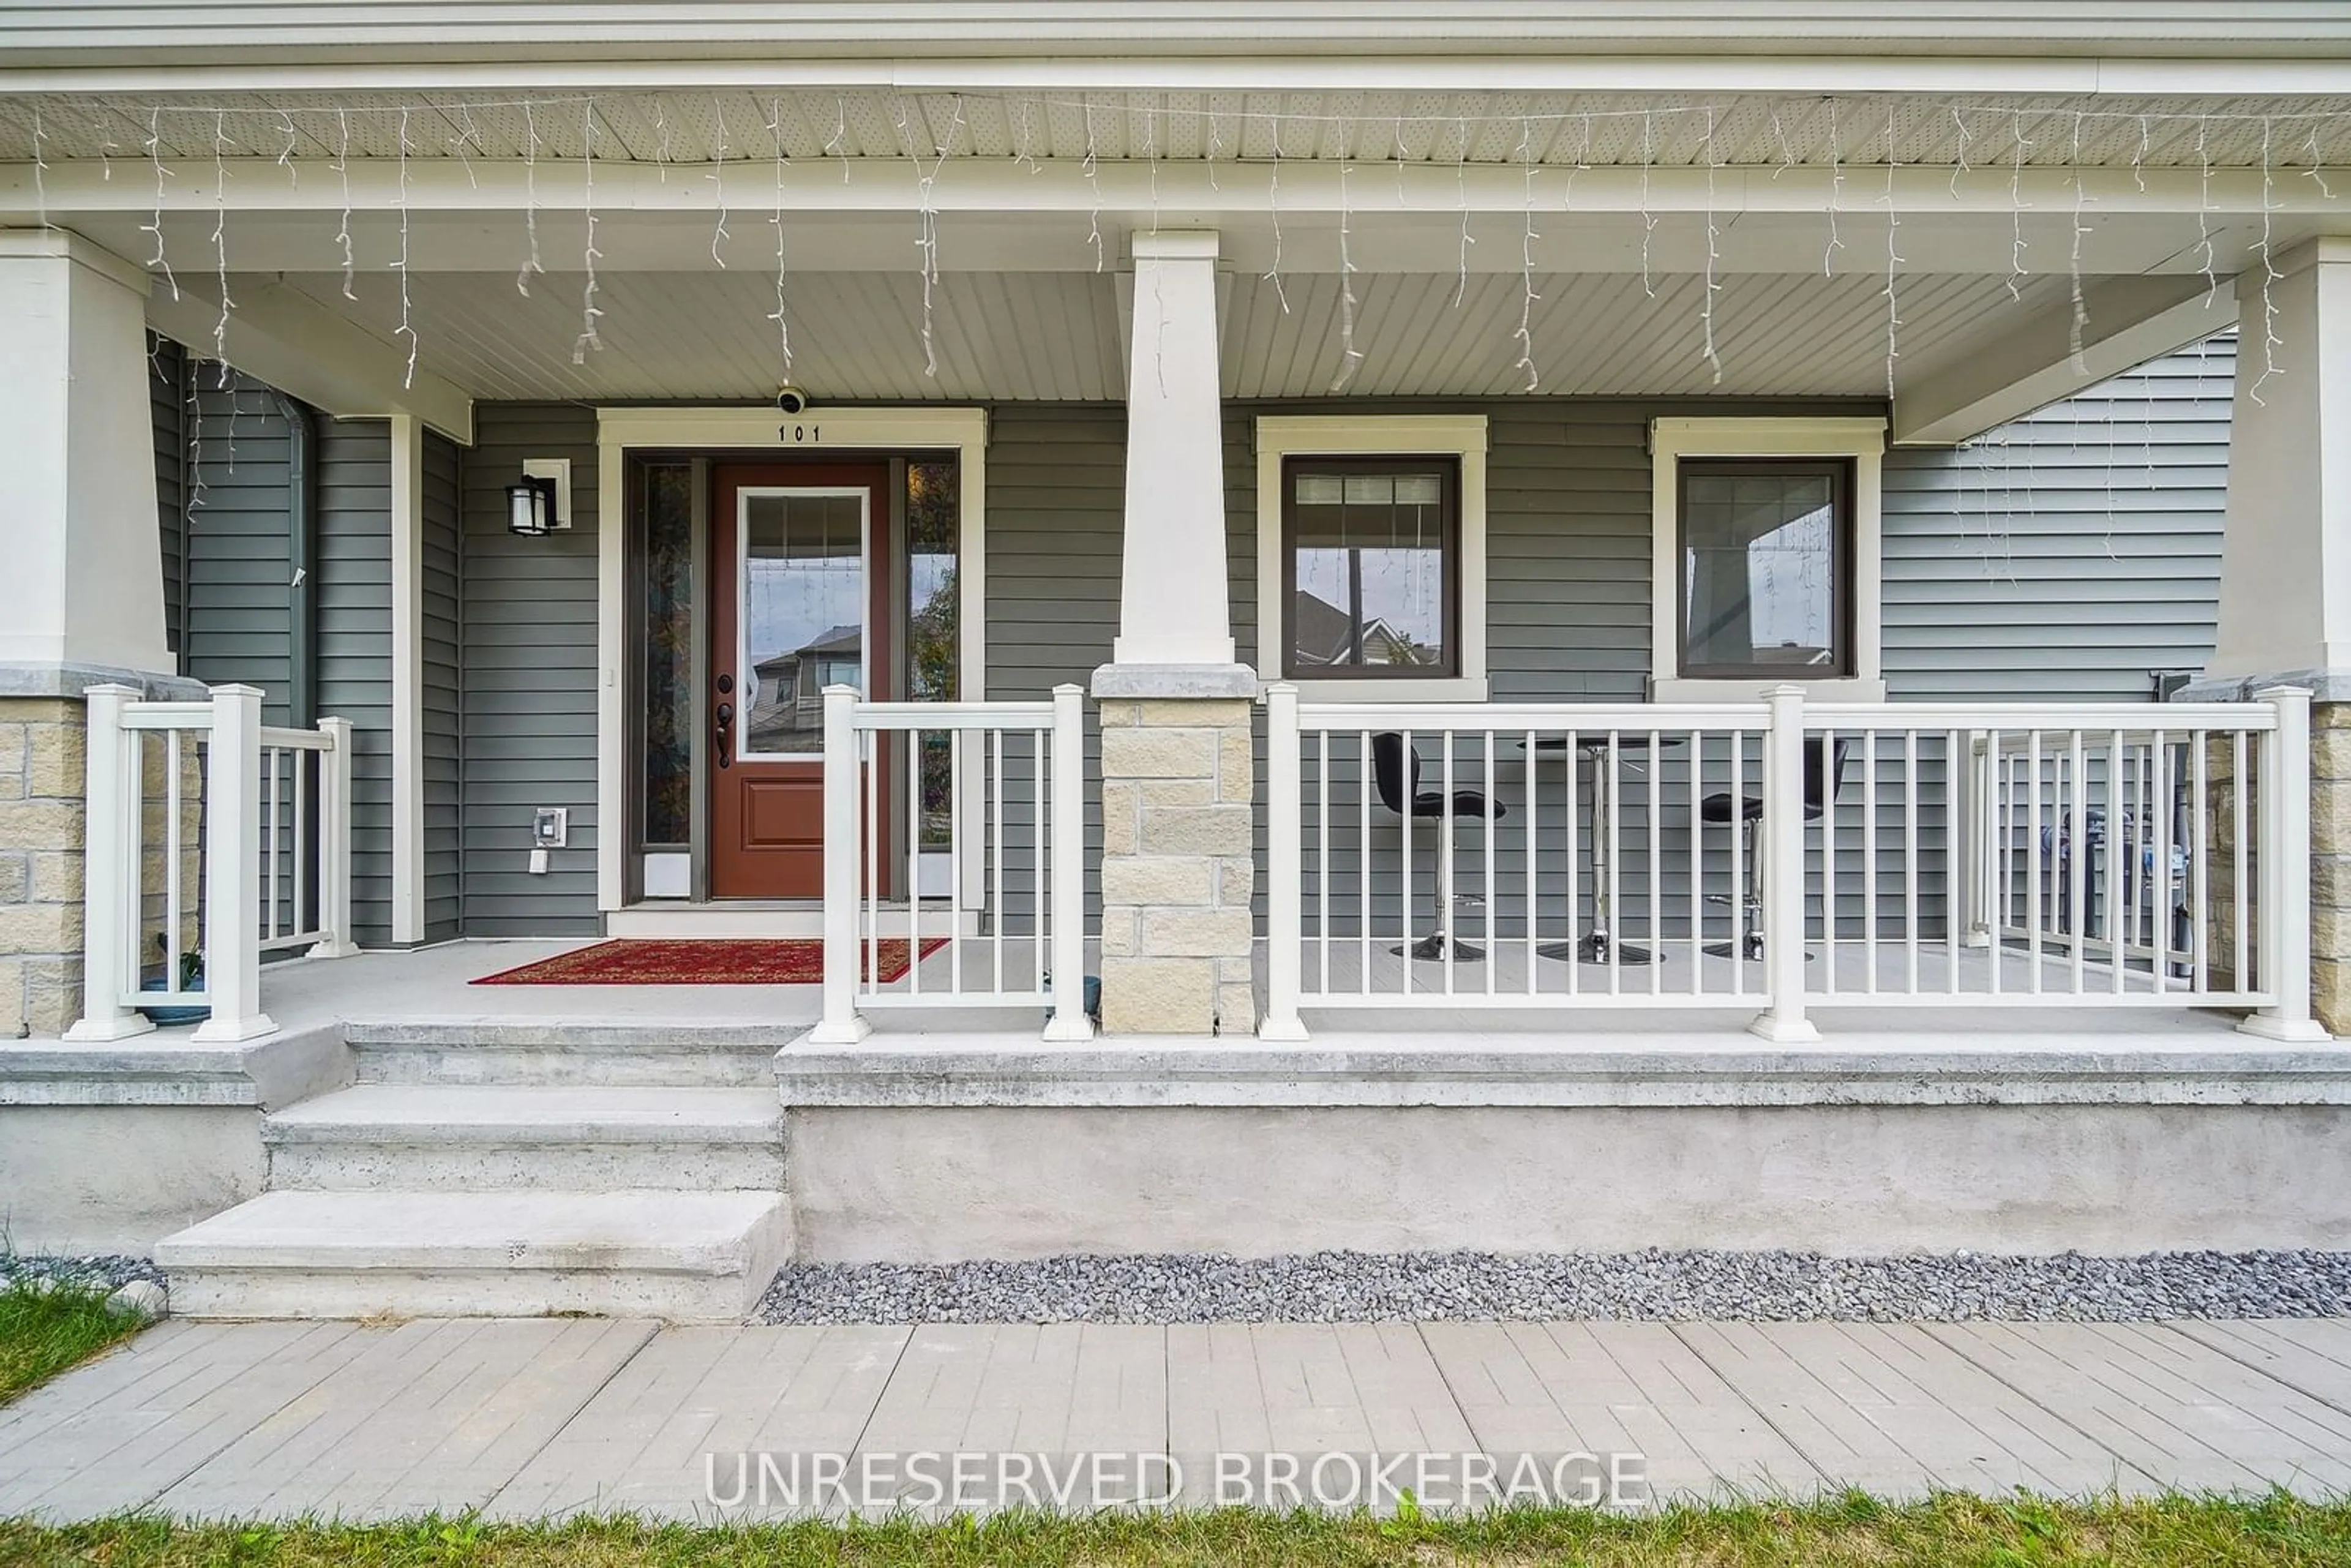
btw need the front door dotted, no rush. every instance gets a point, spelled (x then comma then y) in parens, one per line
(799, 603)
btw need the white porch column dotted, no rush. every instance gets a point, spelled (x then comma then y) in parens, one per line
(2285, 569)
(1177, 768)
(1173, 605)
(81, 584)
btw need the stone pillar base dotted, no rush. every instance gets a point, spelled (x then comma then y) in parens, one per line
(1177, 871)
(41, 784)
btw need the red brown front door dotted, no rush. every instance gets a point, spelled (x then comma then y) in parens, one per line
(799, 603)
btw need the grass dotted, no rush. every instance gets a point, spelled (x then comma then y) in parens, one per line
(1853, 1529)
(41, 1335)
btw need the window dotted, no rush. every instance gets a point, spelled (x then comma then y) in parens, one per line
(1371, 559)
(1371, 556)
(1765, 554)
(1766, 586)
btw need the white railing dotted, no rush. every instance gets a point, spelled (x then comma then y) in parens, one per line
(954, 859)
(1787, 855)
(264, 814)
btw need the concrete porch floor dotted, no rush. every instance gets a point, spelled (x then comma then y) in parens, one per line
(537, 1420)
(434, 984)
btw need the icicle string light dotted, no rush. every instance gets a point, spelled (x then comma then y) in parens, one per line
(1713, 257)
(407, 320)
(40, 168)
(530, 263)
(154, 225)
(1836, 192)
(2317, 169)
(838, 145)
(1273, 210)
(590, 337)
(220, 253)
(2077, 326)
(343, 173)
(1527, 296)
(1961, 171)
(1894, 258)
(1091, 167)
(1461, 190)
(285, 153)
(1648, 218)
(2016, 206)
(719, 233)
(1350, 357)
(661, 139)
(467, 133)
(2270, 341)
(2204, 213)
(776, 218)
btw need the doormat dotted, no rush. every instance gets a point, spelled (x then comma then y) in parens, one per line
(641, 961)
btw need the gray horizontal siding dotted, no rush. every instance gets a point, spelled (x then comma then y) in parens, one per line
(166, 373)
(238, 613)
(443, 694)
(2067, 555)
(354, 644)
(527, 708)
(1056, 488)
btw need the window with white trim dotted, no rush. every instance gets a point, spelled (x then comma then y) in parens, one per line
(1372, 555)
(1766, 555)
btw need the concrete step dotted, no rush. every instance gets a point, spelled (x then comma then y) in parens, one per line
(492, 1050)
(684, 1257)
(435, 1137)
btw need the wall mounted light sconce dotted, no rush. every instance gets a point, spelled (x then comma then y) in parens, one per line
(530, 506)
(540, 501)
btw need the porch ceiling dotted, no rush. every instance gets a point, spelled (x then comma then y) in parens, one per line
(723, 123)
(1058, 336)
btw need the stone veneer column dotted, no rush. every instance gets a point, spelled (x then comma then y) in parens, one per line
(1177, 871)
(2330, 865)
(40, 863)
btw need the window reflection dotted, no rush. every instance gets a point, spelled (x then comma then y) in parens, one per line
(804, 614)
(1369, 558)
(1760, 569)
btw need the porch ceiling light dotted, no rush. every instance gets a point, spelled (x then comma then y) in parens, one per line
(531, 506)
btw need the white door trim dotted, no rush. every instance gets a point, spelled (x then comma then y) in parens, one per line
(756, 433)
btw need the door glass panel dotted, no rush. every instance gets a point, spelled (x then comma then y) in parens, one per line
(802, 614)
(667, 509)
(933, 537)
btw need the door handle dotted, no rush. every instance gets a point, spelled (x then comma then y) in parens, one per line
(726, 735)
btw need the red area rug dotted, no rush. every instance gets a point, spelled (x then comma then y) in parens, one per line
(639, 961)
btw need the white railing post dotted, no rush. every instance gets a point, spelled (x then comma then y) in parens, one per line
(335, 843)
(2283, 916)
(232, 869)
(1066, 908)
(1784, 1021)
(1284, 853)
(110, 923)
(844, 839)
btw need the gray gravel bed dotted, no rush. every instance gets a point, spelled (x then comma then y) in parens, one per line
(97, 1272)
(1336, 1287)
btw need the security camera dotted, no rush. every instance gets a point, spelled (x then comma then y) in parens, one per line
(791, 399)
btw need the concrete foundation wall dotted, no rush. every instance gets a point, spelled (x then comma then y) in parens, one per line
(118, 1178)
(938, 1184)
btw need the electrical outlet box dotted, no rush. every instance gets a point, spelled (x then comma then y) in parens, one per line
(550, 827)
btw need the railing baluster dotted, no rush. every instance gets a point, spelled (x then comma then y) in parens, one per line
(2120, 852)
(2201, 871)
(1910, 860)
(1962, 834)
(1573, 754)
(1534, 787)
(992, 822)
(2158, 911)
(175, 919)
(1738, 831)
(2033, 869)
(1827, 743)
(1363, 861)
(2240, 857)
(1069, 1022)
(1615, 866)
(1323, 851)
(1406, 766)
(868, 745)
(1698, 865)
(2077, 853)
(1657, 866)
(1493, 953)
(1447, 888)
(1868, 857)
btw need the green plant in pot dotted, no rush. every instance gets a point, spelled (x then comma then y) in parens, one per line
(192, 978)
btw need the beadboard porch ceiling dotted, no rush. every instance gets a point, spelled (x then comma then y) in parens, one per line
(1012, 336)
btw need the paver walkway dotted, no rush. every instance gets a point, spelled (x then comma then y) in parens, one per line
(542, 1418)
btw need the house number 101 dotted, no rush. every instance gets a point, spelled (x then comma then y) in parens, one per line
(799, 434)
